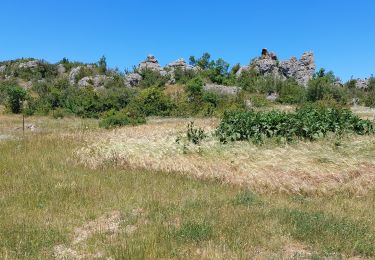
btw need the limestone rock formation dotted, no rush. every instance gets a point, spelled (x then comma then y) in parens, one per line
(33, 64)
(96, 81)
(3, 68)
(73, 74)
(152, 63)
(179, 64)
(61, 69)
(302, 70)
(132, 79)
(362, 83)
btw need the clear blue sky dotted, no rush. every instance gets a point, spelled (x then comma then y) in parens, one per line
(340, 32)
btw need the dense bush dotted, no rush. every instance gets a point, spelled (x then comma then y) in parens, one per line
(152, 102)
(291, 93)
(251, 82)
(194, 89)
(121, 118)
(44, 70)
(151, 78)
(324, 86)
(183, 76)
(216, 71)
(12, 96)
(309, 122)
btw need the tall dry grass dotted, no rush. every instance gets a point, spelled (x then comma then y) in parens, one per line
(320, 167)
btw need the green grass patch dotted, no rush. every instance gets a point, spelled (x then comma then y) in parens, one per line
(332, 234)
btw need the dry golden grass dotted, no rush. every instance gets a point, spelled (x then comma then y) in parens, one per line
(305, 167)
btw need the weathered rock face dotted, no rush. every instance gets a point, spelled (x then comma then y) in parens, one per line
(132, 79)
(61, 69)
(33, 64)
(2, 69)
(151, 63)
(302, 70)
(179, 64)
(362, 83)
(222, 90)
(97, 81)
(73, 74)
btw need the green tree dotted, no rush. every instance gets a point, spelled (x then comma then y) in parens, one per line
(15, 98)
(102, 64)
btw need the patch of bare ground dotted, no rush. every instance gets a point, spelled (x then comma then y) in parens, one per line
(110, 225)
(305, 167)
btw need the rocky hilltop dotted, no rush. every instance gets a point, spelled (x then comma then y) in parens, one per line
(83, 75)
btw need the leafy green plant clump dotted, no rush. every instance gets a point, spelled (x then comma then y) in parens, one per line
(121, 118)
(309, 122)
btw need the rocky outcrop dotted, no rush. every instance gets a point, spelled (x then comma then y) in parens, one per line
(301, 70)
(152, 63)
(132, 79)
(2, 69)
(179, 64)
(61, 69)
(73, 75)
(97, 81)
(222, 90)
(362, 83)
(33, 64)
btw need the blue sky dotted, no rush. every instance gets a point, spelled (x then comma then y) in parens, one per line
(341, 33)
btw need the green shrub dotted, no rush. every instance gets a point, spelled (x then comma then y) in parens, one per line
(194, 89)
(183, 76)
(309, 122)
(14, 97)
(84, 102)
(151, 78)
(324, 86)
(152, 102)
(291, 93)
(121, 118)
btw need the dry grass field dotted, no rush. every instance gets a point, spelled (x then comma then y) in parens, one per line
(69, 190)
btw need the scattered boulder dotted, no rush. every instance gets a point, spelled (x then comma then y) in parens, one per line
(222, 90)
(272, 96)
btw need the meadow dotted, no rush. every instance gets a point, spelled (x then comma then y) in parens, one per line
(72, 190)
